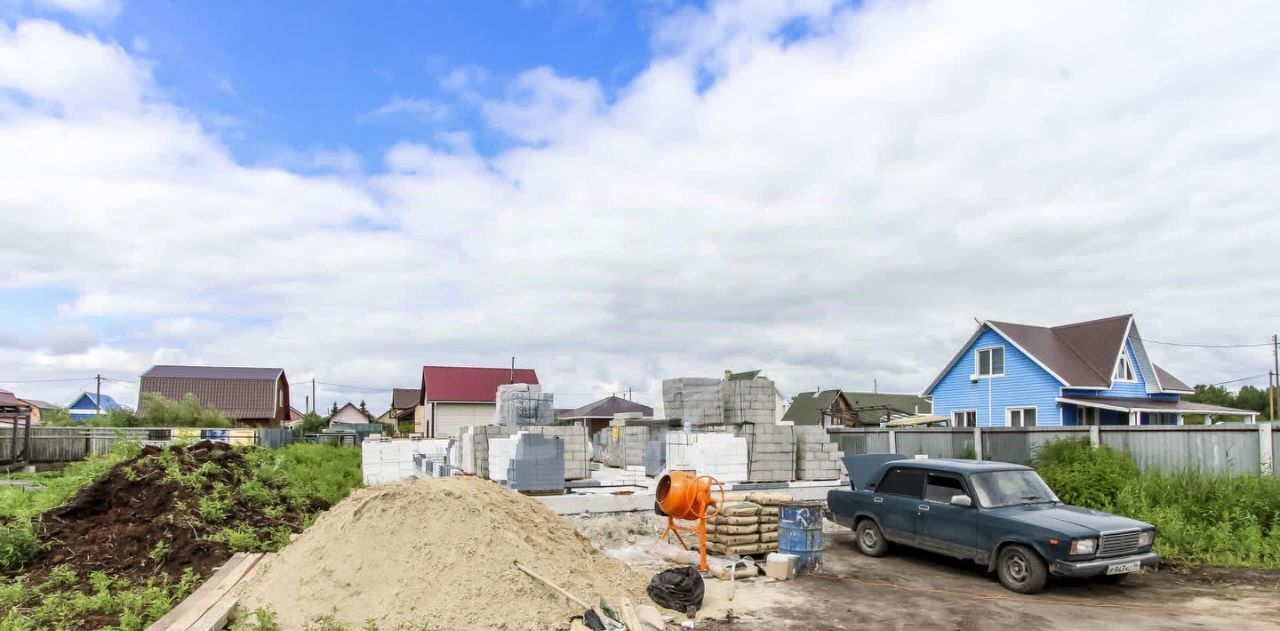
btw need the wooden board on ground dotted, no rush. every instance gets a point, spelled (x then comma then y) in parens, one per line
(208, 607)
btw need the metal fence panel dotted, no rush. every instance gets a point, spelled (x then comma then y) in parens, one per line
(1275, 450)
(935, 443)
(1230, 450)
(861, 441)
(274, 438)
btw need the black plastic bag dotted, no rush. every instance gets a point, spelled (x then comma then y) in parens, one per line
(593, 621)
(679, 589)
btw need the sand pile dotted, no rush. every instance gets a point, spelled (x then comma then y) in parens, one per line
(438, 551)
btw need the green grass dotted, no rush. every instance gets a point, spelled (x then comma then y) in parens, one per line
(63, 603)
(1201, 518)
(19, 508)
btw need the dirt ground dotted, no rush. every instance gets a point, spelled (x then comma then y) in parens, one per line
(918, 590)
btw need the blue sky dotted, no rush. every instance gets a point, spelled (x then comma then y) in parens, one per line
(309, 79)
(618, 193)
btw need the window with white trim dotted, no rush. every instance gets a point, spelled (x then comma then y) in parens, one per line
(1124, 370)
(990, 361)
(1020, 417)
(964, 418)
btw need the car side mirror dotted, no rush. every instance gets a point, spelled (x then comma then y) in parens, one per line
(963, 501)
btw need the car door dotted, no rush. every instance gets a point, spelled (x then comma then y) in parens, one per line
(897, 498)
(943, 526)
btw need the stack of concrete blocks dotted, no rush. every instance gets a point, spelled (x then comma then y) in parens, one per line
(523, 404)
(771, 451)
(722, 456)
(576, 449)
(749, 401)
(817, 458)
(479, 437)
(383, 460)
(635, 476)
(696, 401)
(536, 463)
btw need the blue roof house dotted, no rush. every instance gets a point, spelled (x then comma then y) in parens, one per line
(1087, 373)
(85, 406)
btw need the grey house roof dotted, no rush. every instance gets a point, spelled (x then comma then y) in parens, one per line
(213, 372)
(402, 398)
(607, 407)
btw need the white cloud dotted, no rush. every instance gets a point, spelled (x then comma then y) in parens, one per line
(90, 9)
(833, 208)
(427, 110)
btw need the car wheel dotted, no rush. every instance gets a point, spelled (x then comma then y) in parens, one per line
(870, 540)
(1021, 570)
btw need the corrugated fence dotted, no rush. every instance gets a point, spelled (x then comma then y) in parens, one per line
(1224, 449)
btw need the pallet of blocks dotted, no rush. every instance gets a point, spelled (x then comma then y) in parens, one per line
(817, 458)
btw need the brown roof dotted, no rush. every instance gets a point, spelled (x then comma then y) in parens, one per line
(1082, 354)
(607, 407)
(239, 393)
(402, 398)
(1169, 382)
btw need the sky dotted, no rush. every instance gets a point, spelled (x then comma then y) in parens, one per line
(617, 193)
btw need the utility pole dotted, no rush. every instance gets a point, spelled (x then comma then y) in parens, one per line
(1275, 357)
(97, 401)
(313, 395)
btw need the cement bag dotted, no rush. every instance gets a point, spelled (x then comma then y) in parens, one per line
(765, 498)
(740, 509)
(744, 568)
(745, 548)
(773, 527)
(734, 496)
(769, 537)
(724, 520)
(733, 540)
(732, 530)
(678, 589)
(769, 511)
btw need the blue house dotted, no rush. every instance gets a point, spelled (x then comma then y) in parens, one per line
(1088, 373)
(85, 406)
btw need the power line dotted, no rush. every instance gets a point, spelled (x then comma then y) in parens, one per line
(45, 380)
(339, 385)
(1207, 345)
(1223, 383)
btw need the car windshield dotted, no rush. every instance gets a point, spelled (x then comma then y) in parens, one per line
(1007, 488)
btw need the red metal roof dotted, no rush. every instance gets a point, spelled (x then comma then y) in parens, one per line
(480, 385)
(8, 400)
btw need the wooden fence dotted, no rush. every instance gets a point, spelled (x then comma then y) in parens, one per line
(64, 444)
(1222, 449)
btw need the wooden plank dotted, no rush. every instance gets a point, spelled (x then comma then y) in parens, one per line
(216, 618)
(182, 617)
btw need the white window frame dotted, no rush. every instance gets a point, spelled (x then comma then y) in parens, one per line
(1116, 375)
(977, 361)
(1092, 412)
(955, 423)
(1008, 415)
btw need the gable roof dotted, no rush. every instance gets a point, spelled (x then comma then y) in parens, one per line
(1078, 355)
(807, 407)
(1169, 383)
(402, 398)
(470, 385)
(607, 407)
(238, 392)
(108, 403)
(212, 372)
(7, 399)
(37, 403)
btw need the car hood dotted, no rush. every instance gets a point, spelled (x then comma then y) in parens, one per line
(1071, 519)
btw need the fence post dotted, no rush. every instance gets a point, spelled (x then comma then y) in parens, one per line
(977, 443)
(893, 442)
(1266, 459)
(1095, 436)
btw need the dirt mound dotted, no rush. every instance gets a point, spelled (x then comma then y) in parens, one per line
(442, 552)
(146, 515)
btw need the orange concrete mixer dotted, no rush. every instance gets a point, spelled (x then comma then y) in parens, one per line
(686, 495)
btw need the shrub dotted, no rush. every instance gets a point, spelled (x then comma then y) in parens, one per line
(18, 544)
(1083, 475)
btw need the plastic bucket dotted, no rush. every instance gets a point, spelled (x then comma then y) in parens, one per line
(800, 533)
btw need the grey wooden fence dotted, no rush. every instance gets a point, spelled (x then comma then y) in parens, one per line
(64, 444)
(1223, 449)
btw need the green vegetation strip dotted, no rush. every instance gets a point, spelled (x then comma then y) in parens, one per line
(1201, 518)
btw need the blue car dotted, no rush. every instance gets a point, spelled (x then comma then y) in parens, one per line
(997, 514)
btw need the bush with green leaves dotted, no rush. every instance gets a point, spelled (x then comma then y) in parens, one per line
(1082, 474)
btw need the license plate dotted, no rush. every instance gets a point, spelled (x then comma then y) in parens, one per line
(1123, 568)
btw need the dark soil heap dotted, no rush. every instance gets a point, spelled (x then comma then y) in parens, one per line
(144, 516)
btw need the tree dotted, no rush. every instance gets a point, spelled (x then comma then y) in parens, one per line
(365, 411)
(333, 410)
(312, 423)
(58, 417)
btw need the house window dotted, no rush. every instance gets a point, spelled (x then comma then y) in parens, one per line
(1124, 370)
(964, 418)
(1020, 417)
(1086, 416)
(991, 361)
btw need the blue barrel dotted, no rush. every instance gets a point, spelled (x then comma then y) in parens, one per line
(800, 533)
